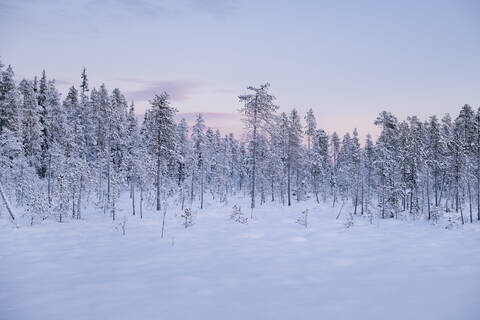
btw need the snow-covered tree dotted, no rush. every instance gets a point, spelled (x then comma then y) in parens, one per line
(258, 109)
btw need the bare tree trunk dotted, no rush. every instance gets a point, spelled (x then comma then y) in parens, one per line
(356, 200)
(201, 188)
(470, 200)
(163, 222)
(6, 202)
(254, 161)
(297, 182)
(456, 190)
(109, 184)
(191, 191)
(141, 202)
(461, 212)
(133, 198)
(383, 201)
(288, 182)
(362, 195)
(334, 195)
(113, 208)
(282, 193)
(428, 195)
(273, 190)
(79, 200)
(158, 182)
(368, 199)
(478, 170)
(73, 203)
(49, 181)
(183, 197)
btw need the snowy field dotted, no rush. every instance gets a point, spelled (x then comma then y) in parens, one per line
(270, 268)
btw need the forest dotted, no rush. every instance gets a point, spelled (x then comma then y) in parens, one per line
(59, 153)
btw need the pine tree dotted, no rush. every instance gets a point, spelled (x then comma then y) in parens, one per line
(31, 126)
(310, 127)
(183, 152)
(199, 149)
(162, 129)
(386, 163)
(293, 152)
(335, 147)
(258, 110)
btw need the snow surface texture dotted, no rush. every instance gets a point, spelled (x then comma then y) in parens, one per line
(269, 268)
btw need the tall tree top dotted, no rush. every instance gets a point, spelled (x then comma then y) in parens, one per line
(258, 106)
(84, 84)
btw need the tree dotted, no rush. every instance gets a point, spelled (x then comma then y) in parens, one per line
(321, 163)
(258, 112)
(199, 145)
(161, 127)
(335, 147)
(356, 172)
(133, 155)
(183, 152)
(31, 126)
(310, 127)
(293, 151)
(386, 163)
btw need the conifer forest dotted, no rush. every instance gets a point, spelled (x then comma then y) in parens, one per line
(60, 153)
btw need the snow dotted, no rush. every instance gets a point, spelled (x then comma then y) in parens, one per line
(270, 268)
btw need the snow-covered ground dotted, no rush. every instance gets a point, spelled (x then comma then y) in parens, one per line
(270, 268)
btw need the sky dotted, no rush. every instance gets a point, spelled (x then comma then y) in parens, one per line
(347, 60)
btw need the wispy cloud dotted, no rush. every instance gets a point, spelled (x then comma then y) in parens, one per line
(178, 90)
(216, 8)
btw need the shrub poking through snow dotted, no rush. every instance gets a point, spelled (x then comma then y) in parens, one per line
(452, 224)
(237, 215)
(349, 221)
(122, 225)
(303, 218)
(187, 218)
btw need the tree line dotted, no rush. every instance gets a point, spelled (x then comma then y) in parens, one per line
(58, 154)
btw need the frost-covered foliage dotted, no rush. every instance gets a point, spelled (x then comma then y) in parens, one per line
(237, 215)
(57, 154)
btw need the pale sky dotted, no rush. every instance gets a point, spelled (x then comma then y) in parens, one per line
(348, 60)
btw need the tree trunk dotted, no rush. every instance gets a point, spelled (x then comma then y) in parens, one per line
(254, 156)
(79, 201)
(6, 202)
(298, 184)
(470, 200)
(428, 195)
(73, 203)
(461, 213)
(158, 182)
(361, 196)
(113, 208)
(273, 190)
(478, 171)
(163, 222)
(191, 191)
(141, 202)
(133, 199)
(49, 181)
(288, 182)
(201, 188)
